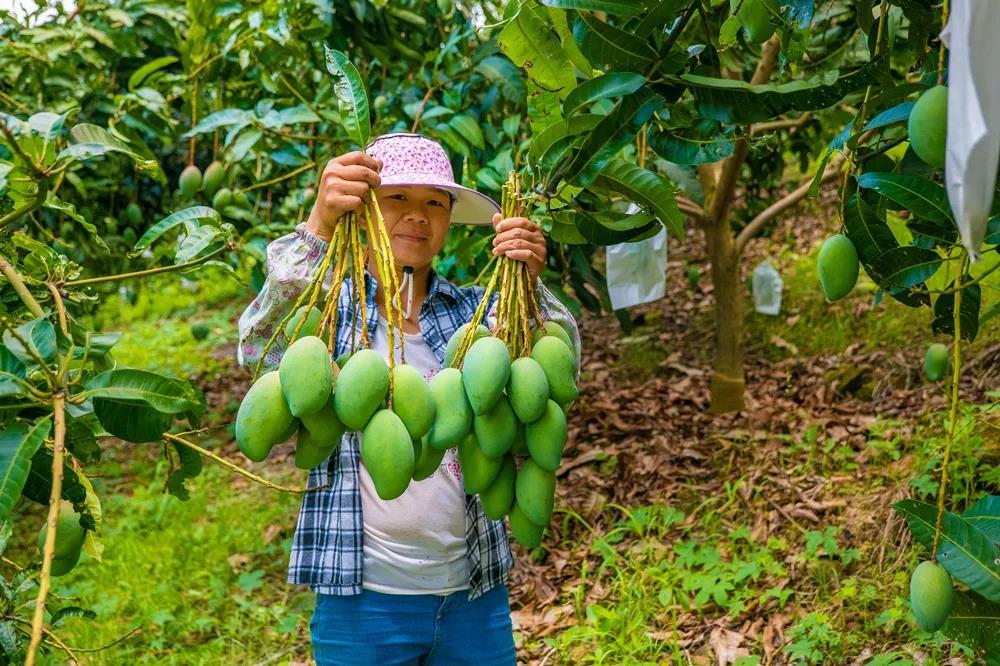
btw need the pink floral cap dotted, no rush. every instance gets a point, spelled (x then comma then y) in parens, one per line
(414, 159)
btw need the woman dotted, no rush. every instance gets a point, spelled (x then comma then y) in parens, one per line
(421, 578)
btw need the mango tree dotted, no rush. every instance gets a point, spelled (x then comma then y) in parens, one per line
(719, 93)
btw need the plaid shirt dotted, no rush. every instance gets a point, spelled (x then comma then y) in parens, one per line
(327, 548)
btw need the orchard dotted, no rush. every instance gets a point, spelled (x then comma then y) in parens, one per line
(738, 405)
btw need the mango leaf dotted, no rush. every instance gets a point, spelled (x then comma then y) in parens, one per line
(225, 118)
(542, 141)
(17, 447)
(992, 232)
(80, 438)
(132, 386)
(47, 124)
(605, 230)
(984, 515)
(532, 45)
(353, 99)
(614, 7)
(169, 222)
(70, 611)
(868, 230)
(10, 367)
(701, 144)
(559, 21)
(502, 73)
(918, 195)
(611, 134)
(974, 622)
(944, 312)
(40, 337)
(195, 243)
(90, 141)
(968, 554)
(469, 128)
(662, 13)
(606, 86)
(905, 267)
(38, 486)
(647, 189)
(891, 116)
(799, 13)
(139, 75)
(606, 45)
(738, 102)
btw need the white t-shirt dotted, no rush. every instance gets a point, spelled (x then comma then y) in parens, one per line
(415, 544)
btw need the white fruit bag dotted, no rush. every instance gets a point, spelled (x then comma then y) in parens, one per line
(766, 284)
(973, 116)
(636, 272)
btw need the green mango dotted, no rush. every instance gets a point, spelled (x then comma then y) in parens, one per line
(559, 366)
(306, 376)
(928, 126)
(292, 428)
(931, 595)
(63, 565)
(215, 177)
(499, 495)
(310, 328)
(452, 413)
(527, 533)
(546, 437)
(200, 331)
(69, 532)
(241, 200)
(478, 470)
(361, 387)
(936, 361)
(456, 339)
(387, 453)
(324, 426)
(412, 400)
(343, 359)
(263, 417)
(528, 389)
(428, 459)
(838, 266)
(553, 329)
(222, 198)
(189, 181)
(485, 373)
(535, 491)
(309, 451)
(133, 213)
(496, 429)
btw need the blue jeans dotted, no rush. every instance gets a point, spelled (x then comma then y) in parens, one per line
(413, 629)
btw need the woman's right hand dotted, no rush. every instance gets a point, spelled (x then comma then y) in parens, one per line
(343, 187)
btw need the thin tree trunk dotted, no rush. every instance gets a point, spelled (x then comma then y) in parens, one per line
(728, 384)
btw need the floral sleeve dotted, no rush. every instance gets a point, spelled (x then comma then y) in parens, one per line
(292, 260)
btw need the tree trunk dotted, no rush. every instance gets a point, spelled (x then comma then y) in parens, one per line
(728, 383)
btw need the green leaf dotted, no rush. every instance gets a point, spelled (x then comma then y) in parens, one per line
(560, 129)
(70, 611)
(174, 219)
(139, 75)
(40, 337)
(605, 230)
(700, 144)
(905, 267)
(964, 551)
(918, 195)
(611, 134)
(606, 45)
(131, 386)
(944, 312)
(532, 45)
(468, 127)
(868, 230)
(17, 446)
(135, 423)
(613, 84)
(38, 486)
(614, 7)
(195, 243)
(351, 95)
(649, 190)
(502, 73)
(974, 622)
(738, 102)
(891, 116)
(219, 119)
(984, 515)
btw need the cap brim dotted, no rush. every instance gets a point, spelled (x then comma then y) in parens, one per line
(471, 207)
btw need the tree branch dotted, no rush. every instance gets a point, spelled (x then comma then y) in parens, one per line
(689, 207)
(784, 123)
(11, 274)
(783, 204)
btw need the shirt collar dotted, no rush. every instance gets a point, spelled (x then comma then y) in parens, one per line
(441, 286)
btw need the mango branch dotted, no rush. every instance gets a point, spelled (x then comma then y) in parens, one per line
(38, 621)
(146, 272)
(291, 174)
(17, 283)
(239, 470)
(29, 207)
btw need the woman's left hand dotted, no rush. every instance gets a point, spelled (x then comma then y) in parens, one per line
(521, 239)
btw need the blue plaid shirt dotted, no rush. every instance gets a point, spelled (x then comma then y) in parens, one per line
(327, 548)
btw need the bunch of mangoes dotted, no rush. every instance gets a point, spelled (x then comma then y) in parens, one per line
(69, 539)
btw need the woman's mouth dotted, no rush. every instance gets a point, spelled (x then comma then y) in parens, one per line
(416, 238)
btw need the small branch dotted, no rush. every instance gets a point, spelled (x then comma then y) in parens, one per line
(14, 277)
(420, 109)
(278, 179)
(689, 207)
(149, 271)
(60, 307)
(783, 204)
(300, 97)
(785, 123)
(38, 622)
(239, 470)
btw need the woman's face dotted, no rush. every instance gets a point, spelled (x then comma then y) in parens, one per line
(416, 219)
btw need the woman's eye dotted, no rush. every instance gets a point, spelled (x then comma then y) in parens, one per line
(435, 201)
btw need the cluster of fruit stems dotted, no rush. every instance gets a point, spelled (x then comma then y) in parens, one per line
(517, 305)
(346, 253)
